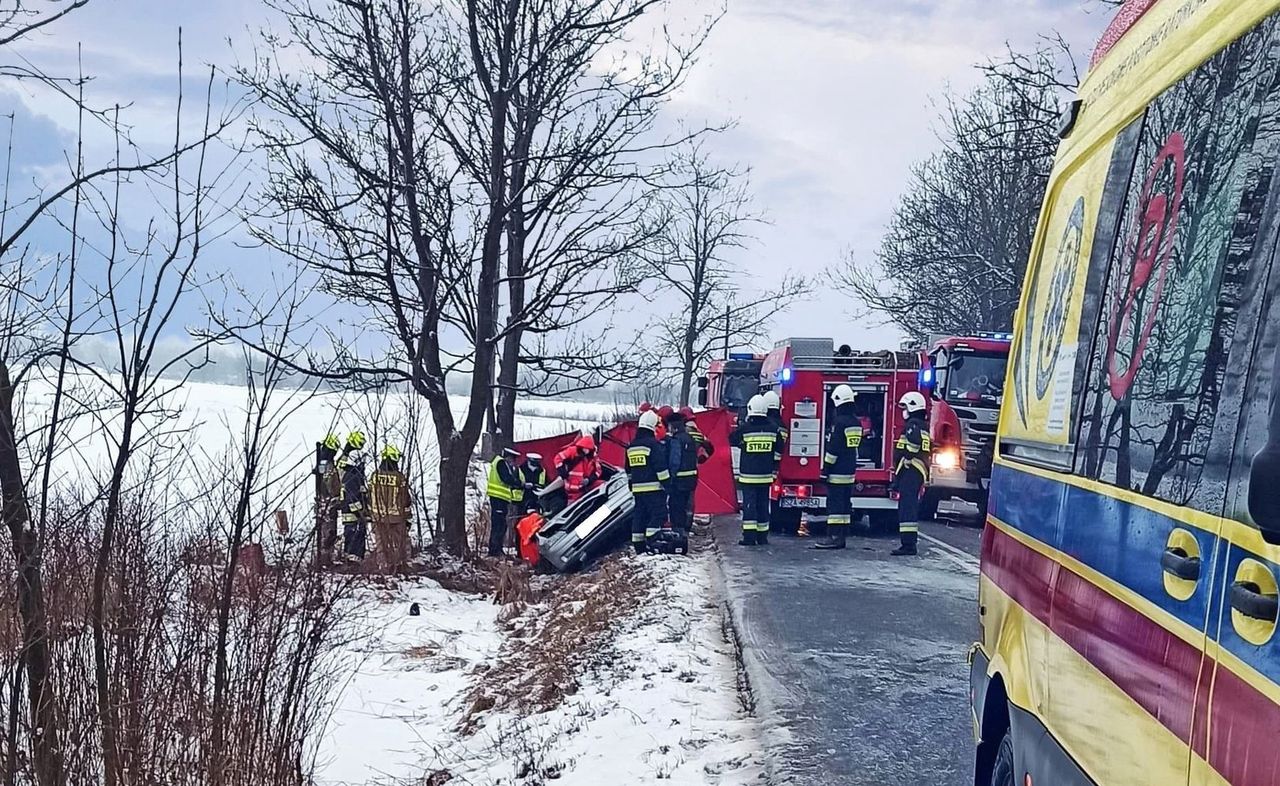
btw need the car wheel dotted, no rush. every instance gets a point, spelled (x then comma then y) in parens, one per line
(1002, 771)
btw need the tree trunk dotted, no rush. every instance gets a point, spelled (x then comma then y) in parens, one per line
(31, 603)
(451, 506)
(509, 371)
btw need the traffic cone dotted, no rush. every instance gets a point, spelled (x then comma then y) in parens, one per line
(803, 530)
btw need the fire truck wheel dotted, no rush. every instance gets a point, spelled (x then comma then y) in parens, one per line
(784, 520)
(883, 522)
(929, 505)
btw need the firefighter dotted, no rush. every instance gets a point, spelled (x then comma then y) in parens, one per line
(505, 486)
(911, 454)
(328, 497)
(535, 479)
(649, 478)
(354, 520)
(664, 412)
(760, 449)
(577, 466)
(390, 509)
(839, 464)
(705, 448)
(773, 403)
(682, 461)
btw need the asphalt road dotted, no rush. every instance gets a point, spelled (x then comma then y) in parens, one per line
(856, 659)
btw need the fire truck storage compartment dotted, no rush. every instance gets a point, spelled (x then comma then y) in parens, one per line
(869, 406)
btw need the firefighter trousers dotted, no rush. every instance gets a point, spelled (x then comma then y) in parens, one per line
(499, 509)
(755, 507)
(651, 510)
(910, 490)
(354, 533)
(678, 507)
(839, 508)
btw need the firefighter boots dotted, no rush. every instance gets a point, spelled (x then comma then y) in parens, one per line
(905, 550)
(830, 542)
(748, 538)
(762, 538)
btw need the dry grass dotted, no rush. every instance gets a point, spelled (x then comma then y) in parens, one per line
(553, 642)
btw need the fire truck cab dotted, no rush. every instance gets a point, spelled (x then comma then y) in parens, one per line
(804, 372)
(731, 383)
(964, 378)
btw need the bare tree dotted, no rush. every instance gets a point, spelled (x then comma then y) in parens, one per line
(956, 249)
(706, 216)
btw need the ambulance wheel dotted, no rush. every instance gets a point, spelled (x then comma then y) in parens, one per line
(1002, 771)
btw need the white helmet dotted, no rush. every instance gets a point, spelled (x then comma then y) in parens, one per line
(649, 420)
(772, 400)
(911, 402)
(843, 394)
(756, 406)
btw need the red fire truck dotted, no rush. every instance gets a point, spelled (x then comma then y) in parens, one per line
(804, 371)
(965, 375)
(731, 382)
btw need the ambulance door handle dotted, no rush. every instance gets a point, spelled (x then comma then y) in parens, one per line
(1176, 563)
(1247, 598)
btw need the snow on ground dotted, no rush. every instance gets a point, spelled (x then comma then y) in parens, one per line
(658, 701)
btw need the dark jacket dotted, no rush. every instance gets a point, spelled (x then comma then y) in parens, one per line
(760, 444)
(353, 486)
(840, 460)
(682, 457)
(647, 464)
(913, 448)
(705, 448)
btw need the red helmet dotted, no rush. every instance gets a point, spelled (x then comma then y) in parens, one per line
(645, 407)
(665, 411)
(587, 443)
(687, 412)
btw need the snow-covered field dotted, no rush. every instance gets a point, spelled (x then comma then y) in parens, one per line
(664, 708)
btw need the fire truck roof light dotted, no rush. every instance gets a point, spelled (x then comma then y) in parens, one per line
(786, 373)
(741, 356)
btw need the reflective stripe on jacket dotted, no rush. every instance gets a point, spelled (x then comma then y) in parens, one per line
(389, 501)
(840, 459)
(913, 448)
(647, 464)
(760, 446)
(503, 483)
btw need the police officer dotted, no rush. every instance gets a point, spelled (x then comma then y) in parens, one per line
(649, 476)
(839, 464)
(390, 509)
(505, 486)
(354, 519)
(760, 450)
(911, 454)
(682, 461)
(535, 479)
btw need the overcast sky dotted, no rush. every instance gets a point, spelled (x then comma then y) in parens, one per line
(833, 102)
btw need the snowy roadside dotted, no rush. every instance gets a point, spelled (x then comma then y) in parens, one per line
(581, 688)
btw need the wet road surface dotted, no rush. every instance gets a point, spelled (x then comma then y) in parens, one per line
(857, 659)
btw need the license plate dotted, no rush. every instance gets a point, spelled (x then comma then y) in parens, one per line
(806, 502)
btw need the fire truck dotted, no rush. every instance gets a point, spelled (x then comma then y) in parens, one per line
(804, 371)
(731, 382)
(964, 378)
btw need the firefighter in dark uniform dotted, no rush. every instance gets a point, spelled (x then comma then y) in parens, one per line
(839, 466)
(682, 461)
(505, 486)
(773, 407)
(354, 516)
(911, 455)
(760, 450)
(328, 496)
(648, 476)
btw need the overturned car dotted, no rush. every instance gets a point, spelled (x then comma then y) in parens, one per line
(594, 525)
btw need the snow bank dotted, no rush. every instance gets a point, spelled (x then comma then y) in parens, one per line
(658, 701)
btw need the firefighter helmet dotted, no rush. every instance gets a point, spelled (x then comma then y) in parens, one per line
(772, 400)
(911, 402)
(664, 412)
(644, 407)
(391, 453)
(687, 412)
(649, 420)
(843, 394)
(355, 440)
(331, 442)
(586, 443)
(756, 406)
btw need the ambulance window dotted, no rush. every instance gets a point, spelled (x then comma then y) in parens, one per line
(1186, 270)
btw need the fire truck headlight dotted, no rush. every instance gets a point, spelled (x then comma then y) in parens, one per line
(947, 458)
